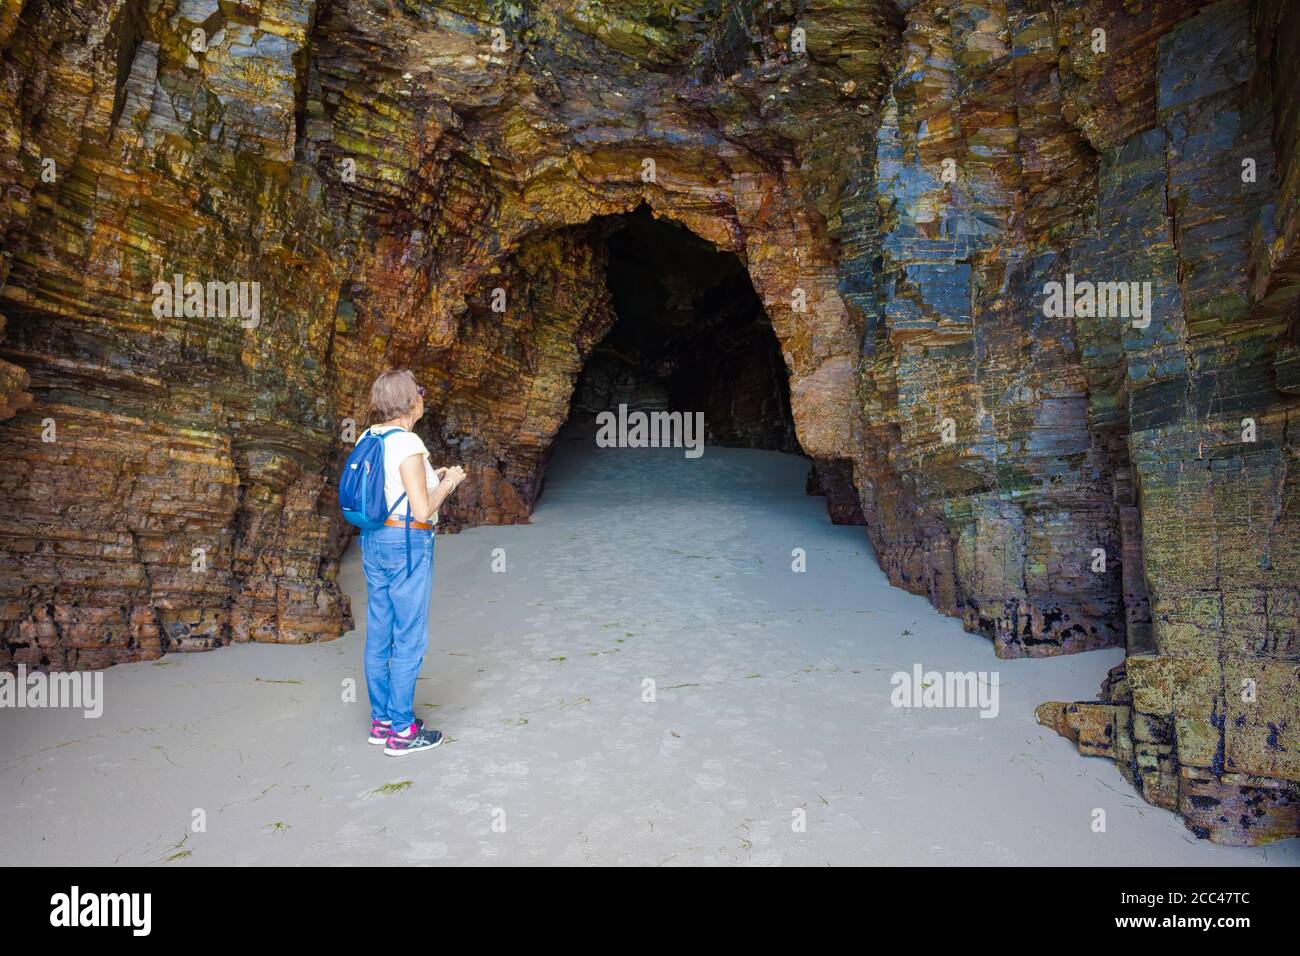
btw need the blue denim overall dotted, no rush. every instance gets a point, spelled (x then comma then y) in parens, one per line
(399, 581)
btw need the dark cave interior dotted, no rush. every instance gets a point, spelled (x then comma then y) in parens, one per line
(691, 336)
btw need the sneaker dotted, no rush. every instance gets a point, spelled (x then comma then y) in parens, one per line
(416, 738)
(381, 730)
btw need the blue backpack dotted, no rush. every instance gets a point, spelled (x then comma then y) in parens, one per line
(361, 486)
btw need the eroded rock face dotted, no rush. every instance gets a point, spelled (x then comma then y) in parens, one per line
(405, 191)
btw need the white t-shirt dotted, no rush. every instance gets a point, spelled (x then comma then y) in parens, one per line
(398, 448)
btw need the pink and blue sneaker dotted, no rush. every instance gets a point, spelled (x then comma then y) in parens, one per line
(381, 730)
(412, 740)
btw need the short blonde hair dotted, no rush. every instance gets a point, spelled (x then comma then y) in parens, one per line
(393, 395)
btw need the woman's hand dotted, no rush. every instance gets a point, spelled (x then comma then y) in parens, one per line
(456, 474)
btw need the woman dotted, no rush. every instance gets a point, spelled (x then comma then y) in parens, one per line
(398, 559)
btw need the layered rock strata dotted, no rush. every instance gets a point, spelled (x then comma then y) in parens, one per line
(427, 185)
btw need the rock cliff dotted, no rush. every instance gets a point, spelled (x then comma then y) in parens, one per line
(221, 218)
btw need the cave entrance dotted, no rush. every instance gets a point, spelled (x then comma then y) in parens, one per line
(691, 338)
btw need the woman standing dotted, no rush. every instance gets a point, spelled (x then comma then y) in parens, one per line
(398, 559)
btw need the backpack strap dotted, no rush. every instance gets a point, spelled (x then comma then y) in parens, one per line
(402, 497)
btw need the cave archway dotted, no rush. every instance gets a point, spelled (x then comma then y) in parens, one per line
(686, 347)
(633, 309)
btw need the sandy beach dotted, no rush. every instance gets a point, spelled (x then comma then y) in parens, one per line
(771, 707)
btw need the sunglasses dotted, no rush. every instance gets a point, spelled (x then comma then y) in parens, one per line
(419, 390)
